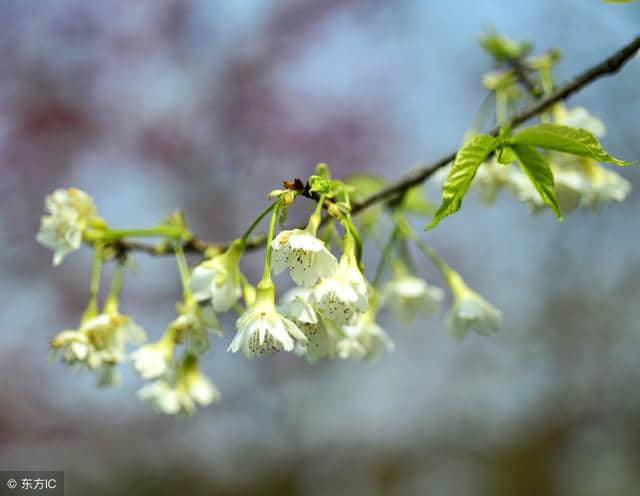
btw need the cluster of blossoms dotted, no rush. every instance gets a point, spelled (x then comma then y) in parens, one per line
(330, 313)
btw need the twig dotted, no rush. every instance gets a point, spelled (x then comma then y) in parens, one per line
(610, 65)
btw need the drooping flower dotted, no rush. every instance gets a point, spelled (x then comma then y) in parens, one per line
(491, 177)
(321, 335)
(262, 328)
(99, 344)
(343, 296)
(306, 256)
(219, 279)
(68, 214)
(364, 339)
(470, 311)
(579, 117)
(193, 325)
(153, 360)
(409, 295)
(182, 393)
(606, 186)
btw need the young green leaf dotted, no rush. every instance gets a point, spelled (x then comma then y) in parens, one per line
(464, 168)
(565, 139)
(536, 167)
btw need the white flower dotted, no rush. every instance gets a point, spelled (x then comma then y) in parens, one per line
(194, 323)
(491, 177)
(410, 295)
(184, 393)
(262, 329)
(306, 256)
(365, 339)
(99, 343)
(69, 213)
(579, 117)
(152, 360)
(321, 335)
(606, 186)
(570, 186)
(343, 296)
(471, 311)
(219, 279)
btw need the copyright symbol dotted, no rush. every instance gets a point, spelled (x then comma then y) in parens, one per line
(12, 483)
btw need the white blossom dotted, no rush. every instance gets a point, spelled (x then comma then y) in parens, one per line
(343, 296)
(152, 360)
(321, 335)
(579, 117)
(219, 279)
(263, 329)
(471, 311)
(99, 344)
(68, 214)
(183, 392)
(193, 325)
(364, 339)
(490, 178)
(306, 256)
(409, 295)
(606, 186)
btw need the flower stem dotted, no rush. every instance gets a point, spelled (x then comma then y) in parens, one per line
(169, 231)
(315, 219)
(111, 304)
(253, 225)
(94, 283)
(266, 275)
(385, 257)
(182, 265)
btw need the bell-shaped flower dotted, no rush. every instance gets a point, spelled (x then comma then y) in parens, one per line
(153, 360)
(262, 329)
(182, 393)
(410, 295)
(343, 296)
(306, 256)
(470, 311)
(99, 344)
(364, 339)
(606, 186)
(68, 215)
(219, 278)
(321, 335)
(193, 325)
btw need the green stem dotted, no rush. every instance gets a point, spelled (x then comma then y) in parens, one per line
(111, 304)
(253, 225)
(266, 274)
(501, 106)
(385, 257)
(169, 231)
(315, 219)
(94, 283)
(182, 266)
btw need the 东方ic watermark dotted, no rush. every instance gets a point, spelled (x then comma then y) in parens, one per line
(44, 482)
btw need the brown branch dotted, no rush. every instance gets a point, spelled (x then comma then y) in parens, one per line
(610, 65)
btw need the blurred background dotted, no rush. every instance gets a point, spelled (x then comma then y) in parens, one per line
(158, 104)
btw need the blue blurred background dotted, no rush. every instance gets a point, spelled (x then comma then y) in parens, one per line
(204, 105)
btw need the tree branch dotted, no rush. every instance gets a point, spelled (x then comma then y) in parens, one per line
(610, 65)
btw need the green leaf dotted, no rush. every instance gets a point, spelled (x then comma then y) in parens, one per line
(537, 168)
(465, 166)
(565, 139)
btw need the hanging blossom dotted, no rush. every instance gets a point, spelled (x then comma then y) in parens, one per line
(69, 213)
(194, 324)
(306, 256)
(410, 295)
(154, 359)
(578, 117)
(492, 176)
(321, 335)
(343, 296)
(365, 338)
(182, 392)
(99, 344)
(470, 310)
(262, 329)
(606, 186)
(219, 278)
